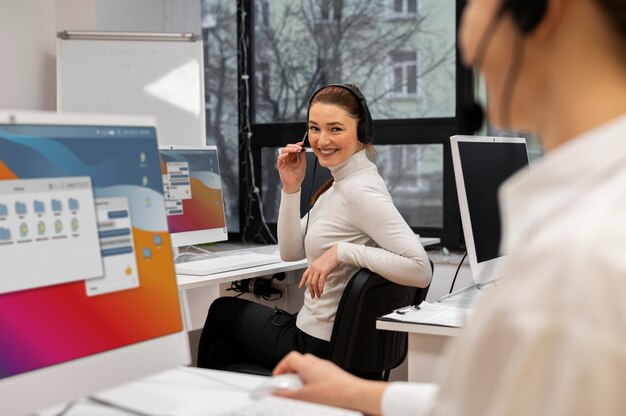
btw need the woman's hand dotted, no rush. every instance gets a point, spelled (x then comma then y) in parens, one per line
(325, 383)
(291, 167)
(315, 275)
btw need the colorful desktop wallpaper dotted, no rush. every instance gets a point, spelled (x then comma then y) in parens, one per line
(50, 325)
(205, 210)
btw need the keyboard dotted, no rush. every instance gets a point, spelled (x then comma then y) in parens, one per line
(274, 406)
(226, 263)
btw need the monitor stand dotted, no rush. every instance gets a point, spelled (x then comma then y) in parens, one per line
(475, 286)
(191, 252)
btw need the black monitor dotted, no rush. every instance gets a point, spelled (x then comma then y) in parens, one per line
(481, 165)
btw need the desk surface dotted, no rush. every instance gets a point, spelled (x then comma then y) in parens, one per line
(190, 282)
(463, 300)
(187, 391)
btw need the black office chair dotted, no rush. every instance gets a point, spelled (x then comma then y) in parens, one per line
(355, 344)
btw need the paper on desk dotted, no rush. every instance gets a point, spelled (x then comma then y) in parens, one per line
(431, 314)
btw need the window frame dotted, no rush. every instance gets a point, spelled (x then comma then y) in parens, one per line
(388, 132)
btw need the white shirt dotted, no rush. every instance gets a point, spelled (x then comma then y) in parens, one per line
(358, 214)
(551, 338)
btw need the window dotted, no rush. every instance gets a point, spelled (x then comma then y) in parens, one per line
(406, 68)
(406, 8)
(404, 74)
(219, 33)
(305, 55)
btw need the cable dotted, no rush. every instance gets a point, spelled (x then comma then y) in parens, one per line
(254, 193)
(308, 214)
(457, 272)
(261, 288)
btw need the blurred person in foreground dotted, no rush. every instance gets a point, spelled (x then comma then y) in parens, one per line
(549, 339)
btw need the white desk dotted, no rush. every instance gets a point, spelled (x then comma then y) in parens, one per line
(427, 342)
(197, 292)
(187, 391)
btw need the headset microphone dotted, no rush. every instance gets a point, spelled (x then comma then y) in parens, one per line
(472, 118)
(527, 14)
(473, 115)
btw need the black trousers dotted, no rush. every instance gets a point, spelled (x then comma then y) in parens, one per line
(240, 331)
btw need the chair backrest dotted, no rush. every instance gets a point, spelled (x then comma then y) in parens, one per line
(356, 345)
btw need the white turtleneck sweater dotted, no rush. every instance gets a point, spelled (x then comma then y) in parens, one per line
(358, 214)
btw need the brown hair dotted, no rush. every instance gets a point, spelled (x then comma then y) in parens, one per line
(615, 12)
(345, 99)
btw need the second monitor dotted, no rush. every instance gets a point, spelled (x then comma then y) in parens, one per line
(193, 191)
(481, 165)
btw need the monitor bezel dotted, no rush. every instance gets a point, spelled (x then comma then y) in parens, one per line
(209, 235)
(481, 271)
(72, 379)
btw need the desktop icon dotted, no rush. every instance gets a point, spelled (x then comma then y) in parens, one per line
(23, 229)
(74, 224)
(72, 203)
(4, 210)
(145, 181)
(157, 240)
(58, 226)
(20, 208)
(41, 227)
(38, 207)
(147, 253)
(142, 157)
(5, 234)
(56, 205)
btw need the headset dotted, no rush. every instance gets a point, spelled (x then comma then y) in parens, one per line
(365, 128)
(526, 14)
(364, 132)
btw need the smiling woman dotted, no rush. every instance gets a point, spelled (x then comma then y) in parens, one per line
(352, 225)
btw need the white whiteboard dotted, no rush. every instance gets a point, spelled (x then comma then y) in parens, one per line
(137, 75)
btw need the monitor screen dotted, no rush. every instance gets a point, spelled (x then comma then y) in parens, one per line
(193, 194)
(481, 165)
(87, 267)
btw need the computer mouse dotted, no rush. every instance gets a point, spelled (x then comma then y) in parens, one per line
(288, 381)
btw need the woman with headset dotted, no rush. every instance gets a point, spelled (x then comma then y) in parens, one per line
(353, 224)
(549, 339)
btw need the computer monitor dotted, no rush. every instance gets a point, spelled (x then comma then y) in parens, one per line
(481, 165)
(88, 295)
(193, 194)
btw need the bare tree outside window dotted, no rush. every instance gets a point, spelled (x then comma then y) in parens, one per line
(401, 54)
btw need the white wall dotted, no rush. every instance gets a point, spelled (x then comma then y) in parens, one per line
(28, 38)
(148, 15)
(27, 48)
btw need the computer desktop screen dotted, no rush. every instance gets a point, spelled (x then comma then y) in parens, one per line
(193, 194)
(481, 165)
(88, 294)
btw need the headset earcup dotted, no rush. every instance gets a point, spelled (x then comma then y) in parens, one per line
(526, 13)
(361, 132)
